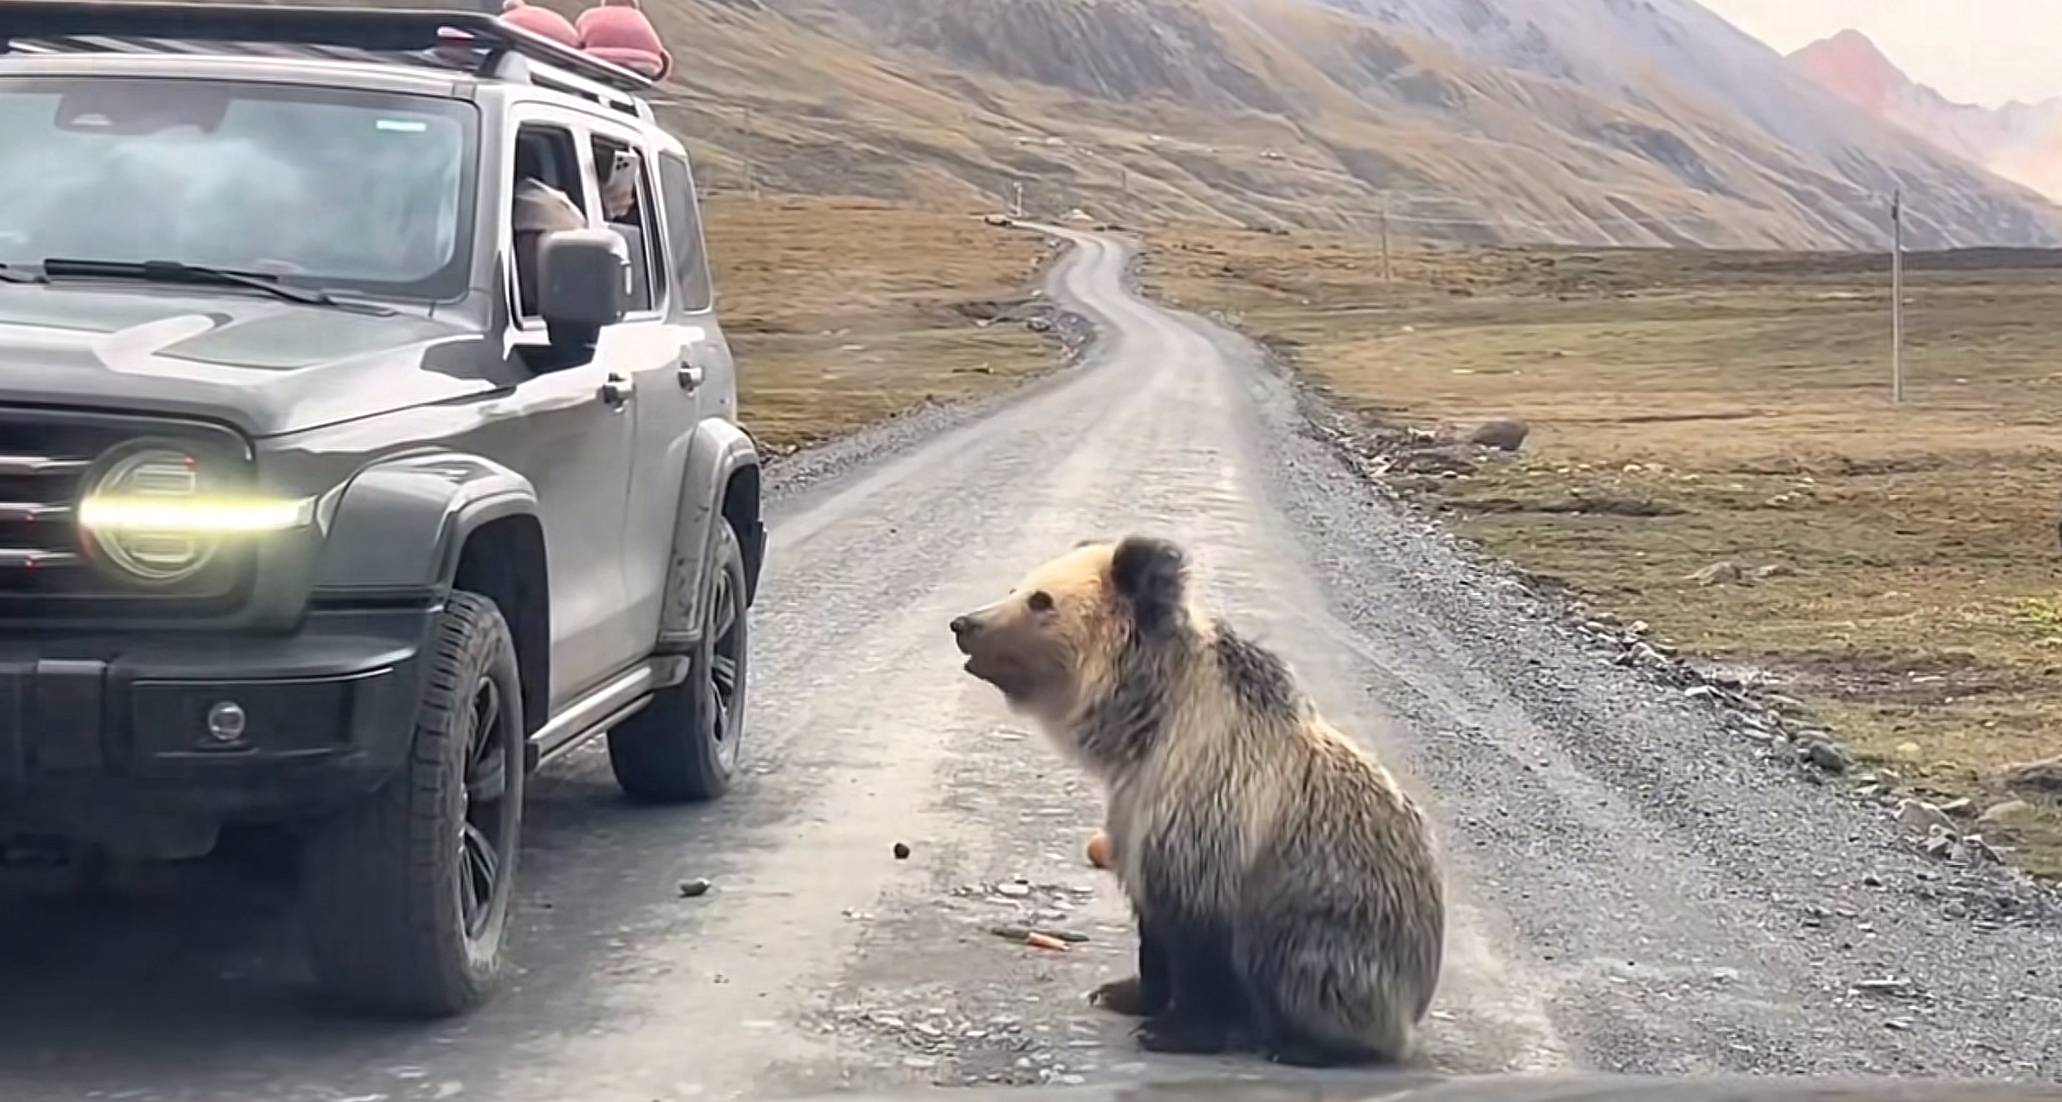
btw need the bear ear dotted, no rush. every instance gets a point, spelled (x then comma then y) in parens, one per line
(1150, 575)
(1089, 542)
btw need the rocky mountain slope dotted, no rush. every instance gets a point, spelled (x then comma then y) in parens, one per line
(2019, 141)
(1446, 119)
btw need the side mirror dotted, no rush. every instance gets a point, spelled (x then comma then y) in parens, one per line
(583, 286)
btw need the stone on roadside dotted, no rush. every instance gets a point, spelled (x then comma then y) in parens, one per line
(1503, 434)
(1975, 851)
(1920, 817)
(1718, 573)
(2038, 776)
(2006, 813)
(1825, 754)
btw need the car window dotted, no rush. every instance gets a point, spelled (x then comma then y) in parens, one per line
(322, 186)
(684, 234)
(547, 194)
(628, 209)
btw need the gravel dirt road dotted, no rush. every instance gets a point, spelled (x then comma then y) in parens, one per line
(1635, 889)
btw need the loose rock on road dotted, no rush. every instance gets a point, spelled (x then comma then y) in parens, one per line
(1634, 888)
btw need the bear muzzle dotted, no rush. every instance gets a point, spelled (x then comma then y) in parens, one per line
(964, 628)
(968, 628)
(986, 663)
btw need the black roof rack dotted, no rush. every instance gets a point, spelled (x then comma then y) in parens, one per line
(427, 37)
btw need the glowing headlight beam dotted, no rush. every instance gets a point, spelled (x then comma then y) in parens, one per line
(194, 516)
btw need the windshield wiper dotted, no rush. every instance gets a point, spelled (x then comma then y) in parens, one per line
(15, 273)
(173, 271)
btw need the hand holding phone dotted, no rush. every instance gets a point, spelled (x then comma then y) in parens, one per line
(625, 162)
(619, 191)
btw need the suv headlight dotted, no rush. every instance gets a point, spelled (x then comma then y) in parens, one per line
(158, 514)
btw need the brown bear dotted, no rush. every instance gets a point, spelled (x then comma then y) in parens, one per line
(1287, 891)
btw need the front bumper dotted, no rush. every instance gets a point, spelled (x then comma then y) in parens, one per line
(95, 730)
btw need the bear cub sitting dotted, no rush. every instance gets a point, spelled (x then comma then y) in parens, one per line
(1286, 889)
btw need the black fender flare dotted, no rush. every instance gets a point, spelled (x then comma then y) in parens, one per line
(398, 526)
(718, 451)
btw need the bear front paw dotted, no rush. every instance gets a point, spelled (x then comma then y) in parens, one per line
(1125, 996)
(1184, 1036)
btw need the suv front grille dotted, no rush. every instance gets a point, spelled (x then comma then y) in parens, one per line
(46, 571)
(37, 497)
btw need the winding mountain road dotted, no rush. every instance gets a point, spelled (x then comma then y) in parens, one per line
(1633, 888)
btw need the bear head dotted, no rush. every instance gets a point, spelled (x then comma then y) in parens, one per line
(1057, 641)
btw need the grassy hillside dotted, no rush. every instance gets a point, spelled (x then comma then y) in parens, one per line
(1262, 112)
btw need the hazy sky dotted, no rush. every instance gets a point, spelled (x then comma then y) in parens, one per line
(1982, 51)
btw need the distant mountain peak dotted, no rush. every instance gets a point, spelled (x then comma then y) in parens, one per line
(1849, 45)
(2022, 142)
(1851, 65)
(1848, 38)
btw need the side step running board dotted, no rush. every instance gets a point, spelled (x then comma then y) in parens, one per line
(608, 705)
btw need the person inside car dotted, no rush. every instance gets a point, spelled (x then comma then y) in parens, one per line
(540, 208)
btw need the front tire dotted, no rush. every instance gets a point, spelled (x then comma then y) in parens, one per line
(406, 896)
(684, 745)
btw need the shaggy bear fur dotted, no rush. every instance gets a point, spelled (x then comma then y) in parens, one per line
(1286, 889)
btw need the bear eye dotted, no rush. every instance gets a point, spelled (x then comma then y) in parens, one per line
(1039, 601)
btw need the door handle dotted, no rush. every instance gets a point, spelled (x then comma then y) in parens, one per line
(617, 390)
(694, 367)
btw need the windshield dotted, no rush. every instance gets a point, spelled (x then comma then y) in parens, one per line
(318, 186)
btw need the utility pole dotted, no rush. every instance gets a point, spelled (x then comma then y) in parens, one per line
(751, 177)
(1897, 297)
(1385, 236)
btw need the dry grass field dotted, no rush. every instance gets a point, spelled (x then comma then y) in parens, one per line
(843, 312)
(1713, 450)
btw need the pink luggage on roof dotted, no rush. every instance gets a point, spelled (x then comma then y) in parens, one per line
(540, 21)
(617, 31)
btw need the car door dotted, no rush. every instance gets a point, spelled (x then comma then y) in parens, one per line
(673, 359)
(706, 362)
(574, 442)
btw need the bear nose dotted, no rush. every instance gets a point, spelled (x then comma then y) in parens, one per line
(961, 625)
